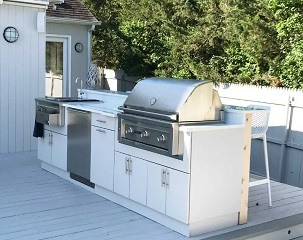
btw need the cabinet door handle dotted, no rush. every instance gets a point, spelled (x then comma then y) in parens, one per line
(49, 138)
(126, 165)
(163, 178)
(101, 121)
(167, 178)
(100, 130)
(130, 167)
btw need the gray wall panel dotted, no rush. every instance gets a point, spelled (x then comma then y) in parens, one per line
(257, 158)
(257, 162)
(275, 161)
(293, 164)
(296, 130)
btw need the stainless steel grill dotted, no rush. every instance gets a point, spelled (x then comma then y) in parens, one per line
(154, 110)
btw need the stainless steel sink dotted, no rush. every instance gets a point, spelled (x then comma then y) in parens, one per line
(71, 99)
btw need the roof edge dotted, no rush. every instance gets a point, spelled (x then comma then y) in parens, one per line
(71, 21)
(32, 2)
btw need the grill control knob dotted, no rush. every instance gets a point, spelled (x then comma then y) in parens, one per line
(161, 138)
(129, 130)
(144, 134)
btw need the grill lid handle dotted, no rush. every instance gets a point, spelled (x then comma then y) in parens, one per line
(173, 117)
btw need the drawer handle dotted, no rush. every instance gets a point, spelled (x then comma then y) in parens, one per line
(163, 178)
(130, 166)
(101, 121)
(126, 165)
(100, 130)
(167, 178)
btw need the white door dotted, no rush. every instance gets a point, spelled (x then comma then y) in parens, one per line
(59, 151)
(44, 147)
(121, 176)
(102, 157)
(177, 195)
(138, 180)
(156, 190)
(57, 68)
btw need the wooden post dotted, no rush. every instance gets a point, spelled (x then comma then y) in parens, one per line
(245, 169)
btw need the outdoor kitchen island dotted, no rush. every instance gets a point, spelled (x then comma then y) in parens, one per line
(197, 193)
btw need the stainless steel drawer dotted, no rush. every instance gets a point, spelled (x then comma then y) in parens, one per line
(49, 113)
(47, 118)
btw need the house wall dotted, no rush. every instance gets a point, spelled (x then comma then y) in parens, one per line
(285, 132)
(79, 61)
(21, 71)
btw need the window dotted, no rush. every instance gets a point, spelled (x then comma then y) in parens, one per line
(56, 67)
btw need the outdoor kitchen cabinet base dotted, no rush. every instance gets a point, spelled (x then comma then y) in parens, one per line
(102, 150)
(205, 199)
(168, 191)
(191, 229)
(52, 149)
(130, 177)
(160, 188)
(102, 157)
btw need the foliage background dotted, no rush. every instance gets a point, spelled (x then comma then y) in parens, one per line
(256, 42)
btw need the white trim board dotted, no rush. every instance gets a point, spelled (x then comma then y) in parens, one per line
(26, 3)
(71, 21)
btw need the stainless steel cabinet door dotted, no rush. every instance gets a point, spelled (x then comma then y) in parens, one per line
(79, 143)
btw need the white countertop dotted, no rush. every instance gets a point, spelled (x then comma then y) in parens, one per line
(212, 127)
(95, 107)
(108, 105)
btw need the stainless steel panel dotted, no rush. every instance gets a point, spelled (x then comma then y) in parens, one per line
(149, 134)
(79, 142)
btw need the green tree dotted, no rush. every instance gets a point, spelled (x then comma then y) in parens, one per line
(288, 66)
(240, 41)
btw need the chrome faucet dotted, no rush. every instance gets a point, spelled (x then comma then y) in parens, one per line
(81, 86)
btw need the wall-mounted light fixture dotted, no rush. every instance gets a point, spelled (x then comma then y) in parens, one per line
(10, 34)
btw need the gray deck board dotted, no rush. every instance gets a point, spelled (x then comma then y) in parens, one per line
(35, 204)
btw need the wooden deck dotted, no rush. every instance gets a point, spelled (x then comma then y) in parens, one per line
(35, 204)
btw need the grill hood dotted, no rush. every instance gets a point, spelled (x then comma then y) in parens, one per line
(181, 100)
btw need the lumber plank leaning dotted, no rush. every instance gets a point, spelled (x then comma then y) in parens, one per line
(245, 169)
